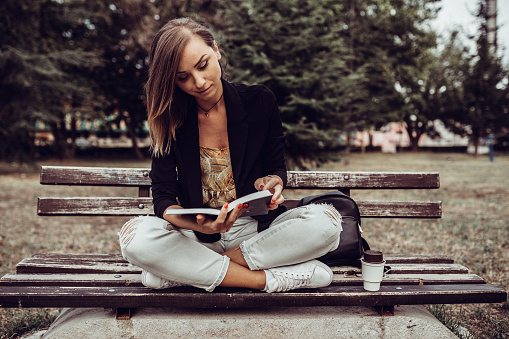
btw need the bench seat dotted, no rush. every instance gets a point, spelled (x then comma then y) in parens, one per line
(107, 280)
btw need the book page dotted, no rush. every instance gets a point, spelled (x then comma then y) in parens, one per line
(257, 201)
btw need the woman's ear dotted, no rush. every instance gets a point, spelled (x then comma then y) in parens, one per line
(216, 49)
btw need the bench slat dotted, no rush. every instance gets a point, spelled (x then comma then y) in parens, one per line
(91, 257)
(98, 206)
(114, 263)
(363, 180)
(34, 265)
(133, 297)
(412, 279)
(393, 209)
(126, 268)
(107, 176)
(94, 176)
(95, 257)
(114, 280)
(410, 268)
(122, 206)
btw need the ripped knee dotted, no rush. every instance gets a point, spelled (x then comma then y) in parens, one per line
(333, 213)
(128, 231)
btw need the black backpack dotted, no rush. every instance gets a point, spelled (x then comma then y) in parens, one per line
(351, 244)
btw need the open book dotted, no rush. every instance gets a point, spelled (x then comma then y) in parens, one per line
(257, 202)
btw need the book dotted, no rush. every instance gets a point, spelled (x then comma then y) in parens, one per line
(257, 201)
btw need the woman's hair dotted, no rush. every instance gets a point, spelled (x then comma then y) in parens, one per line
(166, 102)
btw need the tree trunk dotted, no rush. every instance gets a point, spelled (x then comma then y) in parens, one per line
(57, 134)
(132, 134)
(346, 160)
(414, 141)
(351, 31)
(71, 147)
(475, 141)
(414, 134)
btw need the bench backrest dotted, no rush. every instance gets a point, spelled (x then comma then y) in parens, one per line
(308, 180)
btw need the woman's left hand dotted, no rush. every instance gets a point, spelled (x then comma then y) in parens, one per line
(274, 184)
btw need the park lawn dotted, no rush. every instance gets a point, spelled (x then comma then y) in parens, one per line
(473, 230)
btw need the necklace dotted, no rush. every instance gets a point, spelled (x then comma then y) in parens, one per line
(206, 111)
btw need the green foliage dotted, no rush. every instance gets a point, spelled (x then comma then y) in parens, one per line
(398, 31)
(477, 89)
(74, 59)
(295, 48)
(332, 65)
(124, 41)
(42, 76)
(335, 67)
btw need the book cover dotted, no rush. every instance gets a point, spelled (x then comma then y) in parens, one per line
(257, 201)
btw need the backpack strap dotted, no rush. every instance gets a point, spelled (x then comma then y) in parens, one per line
(365, 244)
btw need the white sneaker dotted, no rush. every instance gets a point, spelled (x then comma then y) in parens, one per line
(309, 274)
(153, 281)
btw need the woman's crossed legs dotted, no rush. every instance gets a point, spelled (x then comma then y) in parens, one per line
(243, 257)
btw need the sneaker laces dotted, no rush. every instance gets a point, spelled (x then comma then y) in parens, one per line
(290, 280)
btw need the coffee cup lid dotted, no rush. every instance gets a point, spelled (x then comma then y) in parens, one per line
(374, 257)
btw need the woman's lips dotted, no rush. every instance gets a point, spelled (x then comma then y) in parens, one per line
(205, 90)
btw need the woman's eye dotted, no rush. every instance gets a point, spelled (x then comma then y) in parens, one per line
(204, 65)
(183, 78)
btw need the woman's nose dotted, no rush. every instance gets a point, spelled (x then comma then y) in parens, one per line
(199, 81)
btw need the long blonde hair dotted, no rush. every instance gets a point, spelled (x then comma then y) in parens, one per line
(166, 103)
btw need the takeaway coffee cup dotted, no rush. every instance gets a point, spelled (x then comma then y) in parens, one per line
(372, 270)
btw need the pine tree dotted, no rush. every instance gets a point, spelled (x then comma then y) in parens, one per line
(123, 41)
(398, 47)
(478, 102)
(295, 48)
(335, 67)
(43, 76)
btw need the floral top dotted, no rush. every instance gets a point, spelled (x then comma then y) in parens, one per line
(217, 181)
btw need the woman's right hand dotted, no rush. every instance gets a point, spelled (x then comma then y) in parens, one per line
(224, 221)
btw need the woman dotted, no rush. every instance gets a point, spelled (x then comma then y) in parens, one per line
(212, 142)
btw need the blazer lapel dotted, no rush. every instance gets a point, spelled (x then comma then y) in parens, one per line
(188, 145)
(237, 130)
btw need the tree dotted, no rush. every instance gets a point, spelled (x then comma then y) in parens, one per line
(120, 32)
(486, 87)
(398, 46)
(335, 66)
(295, 48)
(124, 41)
(368, 35)
(42, 76)
(479, 103)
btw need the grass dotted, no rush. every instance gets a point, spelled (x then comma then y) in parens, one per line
(18, 322)
(473, 229)
(443, 313)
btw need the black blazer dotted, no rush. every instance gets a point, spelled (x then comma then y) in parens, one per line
(256, 142)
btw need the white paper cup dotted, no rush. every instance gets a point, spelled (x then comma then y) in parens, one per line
(372, 274)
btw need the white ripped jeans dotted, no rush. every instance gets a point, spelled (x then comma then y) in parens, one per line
(176, 254)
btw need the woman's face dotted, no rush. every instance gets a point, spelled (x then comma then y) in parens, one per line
(199, 72)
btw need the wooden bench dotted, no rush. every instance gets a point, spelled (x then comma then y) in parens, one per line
(107, 280)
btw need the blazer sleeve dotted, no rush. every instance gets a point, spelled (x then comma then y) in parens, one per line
(164, 183)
